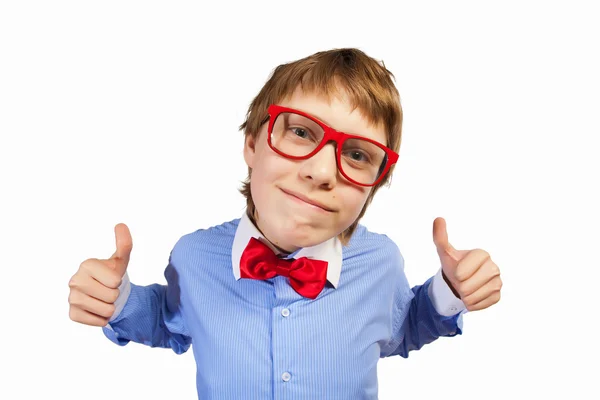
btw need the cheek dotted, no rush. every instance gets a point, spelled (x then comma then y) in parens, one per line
(268, 167)
(268, 170)
(354, 201)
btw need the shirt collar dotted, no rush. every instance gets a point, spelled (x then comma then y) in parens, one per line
(330, 250)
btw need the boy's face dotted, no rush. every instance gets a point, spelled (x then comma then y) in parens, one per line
(276, 183)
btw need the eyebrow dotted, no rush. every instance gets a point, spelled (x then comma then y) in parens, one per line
(329, 125)
(323, 121)
(346, 132)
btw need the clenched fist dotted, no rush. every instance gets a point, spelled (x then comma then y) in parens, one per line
(471, 274)
(94, 287)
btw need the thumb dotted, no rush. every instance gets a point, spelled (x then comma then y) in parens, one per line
(440, 238)
(124, 244)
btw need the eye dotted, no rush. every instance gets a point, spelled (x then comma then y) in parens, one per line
(357, 155)
(300, 132)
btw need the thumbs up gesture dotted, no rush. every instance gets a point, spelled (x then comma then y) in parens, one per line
(471, 274)
(94, 287)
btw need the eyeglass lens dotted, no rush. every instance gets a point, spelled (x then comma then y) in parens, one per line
(297, 135)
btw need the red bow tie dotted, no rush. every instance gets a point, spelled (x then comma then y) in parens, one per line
(307, 276)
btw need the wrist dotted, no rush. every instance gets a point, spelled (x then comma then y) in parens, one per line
(450, 285)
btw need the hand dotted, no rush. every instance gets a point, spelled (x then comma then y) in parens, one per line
(94, 287)
(471, 274)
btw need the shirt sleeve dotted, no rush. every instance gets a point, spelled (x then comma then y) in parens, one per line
(416, 321)
(152, 315)
(442, 297)
(124, 291)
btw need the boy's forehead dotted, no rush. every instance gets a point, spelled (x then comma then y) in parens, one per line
(326, 95)
(335, 108)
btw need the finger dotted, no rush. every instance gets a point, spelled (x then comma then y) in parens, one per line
(90, 304)
(124, 244)
(494, 285)
(440, 234)
(90, 286)
(486, 272)
(485, 303)
(100, 271)
(440, 239)
(470, 264)
(85, 317)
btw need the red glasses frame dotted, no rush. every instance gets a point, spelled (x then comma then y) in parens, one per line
(329, 135)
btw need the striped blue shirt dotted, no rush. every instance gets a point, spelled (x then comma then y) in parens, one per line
(256, 339)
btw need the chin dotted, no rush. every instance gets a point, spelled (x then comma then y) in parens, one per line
(307, 242)
(306, 237)
(296, 229)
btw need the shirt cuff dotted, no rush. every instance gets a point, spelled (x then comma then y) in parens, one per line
(124, 291)
(444, 301)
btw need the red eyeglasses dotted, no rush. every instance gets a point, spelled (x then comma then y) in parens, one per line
(298, 136)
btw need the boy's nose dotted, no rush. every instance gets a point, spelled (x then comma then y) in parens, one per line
(322, 167)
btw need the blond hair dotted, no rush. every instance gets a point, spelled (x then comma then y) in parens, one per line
(367, 83)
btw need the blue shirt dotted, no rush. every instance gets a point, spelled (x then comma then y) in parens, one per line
(256, 339)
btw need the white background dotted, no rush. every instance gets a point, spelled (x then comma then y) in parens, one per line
(122, 111)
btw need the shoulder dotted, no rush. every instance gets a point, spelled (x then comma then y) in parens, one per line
(216, 240)
(374, 246)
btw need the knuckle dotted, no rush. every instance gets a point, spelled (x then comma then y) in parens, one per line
(471, 302)
(73, 314)
(114, 295)
(87, 265)
(73, 282)
(482, 252)
(74, 298)
(495, 270)
(115, 281)
(458, 274)
(109, 311)
(498, 285)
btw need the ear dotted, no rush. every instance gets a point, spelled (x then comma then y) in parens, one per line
(250, 150)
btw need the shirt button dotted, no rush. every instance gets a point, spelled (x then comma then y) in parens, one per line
(453, 309)
(285, 312)
(286, 376)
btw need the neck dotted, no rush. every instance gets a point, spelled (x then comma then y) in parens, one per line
(283, 251)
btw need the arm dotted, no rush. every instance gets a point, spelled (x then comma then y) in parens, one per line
(150, 315)
(422, 314)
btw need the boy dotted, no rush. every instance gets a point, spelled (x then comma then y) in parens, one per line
(295, 299)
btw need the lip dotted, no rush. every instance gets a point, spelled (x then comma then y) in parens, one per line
(305, 199)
